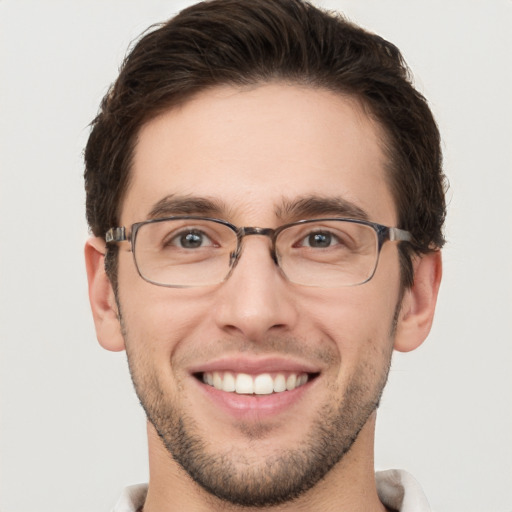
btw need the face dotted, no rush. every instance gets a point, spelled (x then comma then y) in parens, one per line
(256, 157)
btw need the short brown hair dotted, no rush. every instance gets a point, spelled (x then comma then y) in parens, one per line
(242, 42)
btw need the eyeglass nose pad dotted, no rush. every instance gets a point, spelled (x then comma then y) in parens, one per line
(273, 255)
(234, 256)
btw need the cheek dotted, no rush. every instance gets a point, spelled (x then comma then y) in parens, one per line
(357, 323)
(166, 322)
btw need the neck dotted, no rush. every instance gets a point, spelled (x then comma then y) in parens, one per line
(349, 486)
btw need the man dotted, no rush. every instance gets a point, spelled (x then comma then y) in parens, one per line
(265, 191)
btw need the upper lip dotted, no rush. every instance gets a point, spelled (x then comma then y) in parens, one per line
(255, 365)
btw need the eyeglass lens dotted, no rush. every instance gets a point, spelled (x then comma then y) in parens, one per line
(197, 252)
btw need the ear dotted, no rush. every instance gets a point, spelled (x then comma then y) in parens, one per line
(419, 303)
(101, 297)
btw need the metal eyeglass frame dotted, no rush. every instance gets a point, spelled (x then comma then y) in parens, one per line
(384, 234)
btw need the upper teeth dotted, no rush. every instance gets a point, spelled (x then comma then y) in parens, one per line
(262, 384)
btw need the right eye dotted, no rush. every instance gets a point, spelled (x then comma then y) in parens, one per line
(189, 239)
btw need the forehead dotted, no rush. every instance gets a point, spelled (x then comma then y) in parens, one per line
(253, 151)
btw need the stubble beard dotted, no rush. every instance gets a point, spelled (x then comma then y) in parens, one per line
(234, 477)
(238, 479)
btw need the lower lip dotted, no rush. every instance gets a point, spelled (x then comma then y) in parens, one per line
(255, 407)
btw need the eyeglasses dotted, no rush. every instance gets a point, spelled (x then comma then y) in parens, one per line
(189, 251)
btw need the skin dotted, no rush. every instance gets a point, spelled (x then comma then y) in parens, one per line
(250, 151)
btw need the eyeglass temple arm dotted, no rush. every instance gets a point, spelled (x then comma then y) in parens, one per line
(400, 235)
(115, 235)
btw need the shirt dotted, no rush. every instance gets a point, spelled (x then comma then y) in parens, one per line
(396, 488)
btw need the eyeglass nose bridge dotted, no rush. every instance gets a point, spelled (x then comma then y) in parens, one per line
(248, 231)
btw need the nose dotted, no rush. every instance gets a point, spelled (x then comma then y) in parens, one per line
(256, 299)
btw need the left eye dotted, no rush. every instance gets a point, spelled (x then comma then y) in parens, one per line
(320, 239)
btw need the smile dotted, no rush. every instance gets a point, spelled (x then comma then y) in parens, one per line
(261, 384)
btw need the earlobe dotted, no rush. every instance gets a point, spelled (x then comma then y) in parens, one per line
(101, 297)
(419, 303)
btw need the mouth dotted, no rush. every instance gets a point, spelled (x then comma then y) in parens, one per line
(255, 384)
(252, 389)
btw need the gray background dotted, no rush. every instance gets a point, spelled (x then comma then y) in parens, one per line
(72, 433)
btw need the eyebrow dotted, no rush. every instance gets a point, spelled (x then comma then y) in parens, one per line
(187, 205)
(289, 210)
(315, 206)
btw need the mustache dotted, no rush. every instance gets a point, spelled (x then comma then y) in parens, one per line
(272, 345)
